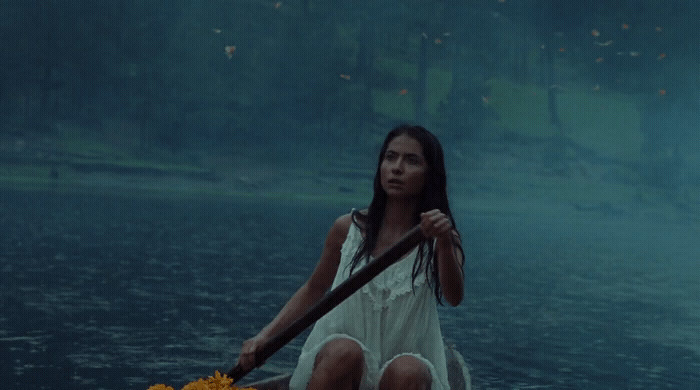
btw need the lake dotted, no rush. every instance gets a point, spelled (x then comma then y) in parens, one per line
(115, 292)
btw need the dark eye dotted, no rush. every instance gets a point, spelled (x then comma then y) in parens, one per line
(391, 156)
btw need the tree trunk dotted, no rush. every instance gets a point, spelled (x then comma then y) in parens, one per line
(555, 156)
(422, 82)
(364, 67)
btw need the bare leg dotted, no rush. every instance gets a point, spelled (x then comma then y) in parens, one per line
(339, 365)
(406, 373)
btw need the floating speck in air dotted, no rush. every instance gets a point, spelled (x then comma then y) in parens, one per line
(606, 43)
(403, 92)
(661, 56)
(630, 53)
(595, 33)
(345, 76)
(229, 51)
(556, 87)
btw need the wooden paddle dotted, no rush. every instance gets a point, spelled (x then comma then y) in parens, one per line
(334, 298)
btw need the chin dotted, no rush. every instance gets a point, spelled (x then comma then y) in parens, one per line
(396, 194)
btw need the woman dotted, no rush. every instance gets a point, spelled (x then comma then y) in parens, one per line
(386, 335)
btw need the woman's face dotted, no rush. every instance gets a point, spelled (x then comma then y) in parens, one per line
(403, 168)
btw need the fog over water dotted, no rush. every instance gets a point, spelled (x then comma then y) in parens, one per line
(169, 172)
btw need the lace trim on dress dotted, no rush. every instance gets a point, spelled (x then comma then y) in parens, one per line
(392, 283)
(401, 284)
(382, 294)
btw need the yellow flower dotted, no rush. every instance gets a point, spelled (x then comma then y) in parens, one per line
(200, 384)
(216, 382)
(160, 387)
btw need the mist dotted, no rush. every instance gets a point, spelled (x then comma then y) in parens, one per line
(570, 133)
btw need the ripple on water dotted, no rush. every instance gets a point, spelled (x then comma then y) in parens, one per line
(166, 292)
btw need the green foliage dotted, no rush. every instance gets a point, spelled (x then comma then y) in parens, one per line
(520, 108)
(393, 105)
(163, 67)
(392, 102)
(73, 141)
(607, 123)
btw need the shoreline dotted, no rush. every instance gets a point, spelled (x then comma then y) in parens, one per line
(307, 188)
(502, 178)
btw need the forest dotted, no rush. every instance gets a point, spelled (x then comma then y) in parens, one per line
(615, 81)
(169, 169)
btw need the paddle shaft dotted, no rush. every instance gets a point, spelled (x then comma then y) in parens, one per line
(334, 298)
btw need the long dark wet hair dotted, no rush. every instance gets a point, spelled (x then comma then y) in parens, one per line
(434, 196)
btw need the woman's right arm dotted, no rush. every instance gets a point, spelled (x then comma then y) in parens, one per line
(307, 295)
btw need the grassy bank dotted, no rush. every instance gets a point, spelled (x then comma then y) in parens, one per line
(505, 180)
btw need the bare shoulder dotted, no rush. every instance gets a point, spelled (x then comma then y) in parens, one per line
(341, 226)
(340, 229)
(343, 222)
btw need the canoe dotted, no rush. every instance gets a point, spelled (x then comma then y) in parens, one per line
(457, 374)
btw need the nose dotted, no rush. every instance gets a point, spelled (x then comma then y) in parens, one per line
(397, 167)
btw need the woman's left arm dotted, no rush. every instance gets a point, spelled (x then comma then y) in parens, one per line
(449, 259)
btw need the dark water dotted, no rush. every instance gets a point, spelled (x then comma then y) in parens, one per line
(104, 292)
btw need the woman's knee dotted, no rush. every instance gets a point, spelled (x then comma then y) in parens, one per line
(406, 372)
(341, 353)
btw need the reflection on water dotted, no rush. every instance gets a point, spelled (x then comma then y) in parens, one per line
(108, 292)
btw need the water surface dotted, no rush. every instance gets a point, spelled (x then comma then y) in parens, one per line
(110, 292)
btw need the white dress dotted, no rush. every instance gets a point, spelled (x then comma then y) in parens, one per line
(386, 317)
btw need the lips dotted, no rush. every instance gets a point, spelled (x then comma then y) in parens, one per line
(395, 182)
